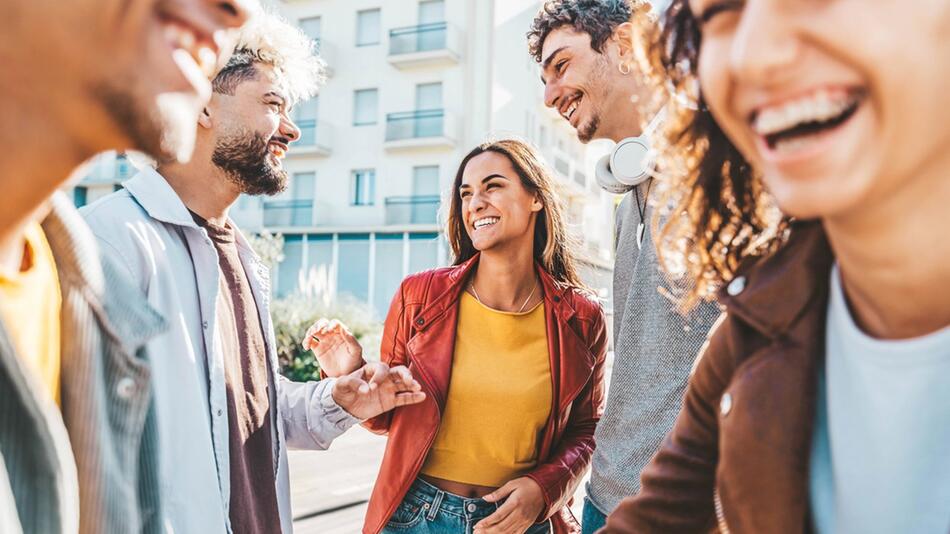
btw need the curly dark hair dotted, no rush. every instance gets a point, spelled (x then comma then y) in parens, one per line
(726, 214)
(597, 18)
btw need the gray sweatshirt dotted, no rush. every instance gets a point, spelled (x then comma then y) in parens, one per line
(655, 348)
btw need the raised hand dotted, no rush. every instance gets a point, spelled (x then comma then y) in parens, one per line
(524, 502)
(335, 347)
(375, 389)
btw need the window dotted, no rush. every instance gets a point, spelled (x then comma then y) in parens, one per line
(354, 266)
(311, 27)
(364, 187)
(288, 272)
(365, 107)
(305, 117)
(429, 96)
(425, 195)
(79, 196)
(388, 270)
(423, 252)
(367, 27)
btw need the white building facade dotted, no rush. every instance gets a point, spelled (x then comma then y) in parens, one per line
(412, 86)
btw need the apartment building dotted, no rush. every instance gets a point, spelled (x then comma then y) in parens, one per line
(412, 86)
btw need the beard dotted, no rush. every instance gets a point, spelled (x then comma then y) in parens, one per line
(244, 158)
(586, 131)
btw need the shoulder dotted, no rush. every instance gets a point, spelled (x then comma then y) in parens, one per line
(587, 307)
(108, 214)
(415, 286)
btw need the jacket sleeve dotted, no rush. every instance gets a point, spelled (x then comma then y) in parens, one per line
(392, 351)
(311, 418)
(677, 486)
(564, 471)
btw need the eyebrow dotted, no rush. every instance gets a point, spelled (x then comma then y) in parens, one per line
(547, 62)
(275, 94)
(485, 179)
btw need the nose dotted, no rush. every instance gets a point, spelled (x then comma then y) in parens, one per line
(476, 202)
(552, 94)
(289, 129)
(764, 45)
(230, 13)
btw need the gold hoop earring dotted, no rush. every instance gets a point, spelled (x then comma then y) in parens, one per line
(624, 69)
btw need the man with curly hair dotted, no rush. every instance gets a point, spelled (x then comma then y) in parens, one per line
(592, 55)
(225, 415)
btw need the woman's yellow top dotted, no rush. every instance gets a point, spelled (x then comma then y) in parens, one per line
(499, 398)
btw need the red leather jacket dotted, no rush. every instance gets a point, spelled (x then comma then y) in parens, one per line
(420, 333)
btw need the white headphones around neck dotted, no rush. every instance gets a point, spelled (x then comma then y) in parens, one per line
(630, 162)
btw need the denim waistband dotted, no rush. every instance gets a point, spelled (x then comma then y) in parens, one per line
(435, 500)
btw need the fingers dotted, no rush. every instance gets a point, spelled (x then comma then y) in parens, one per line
(410, 397)
(403, 379)
(494, 522)
(500, 493)
(314, 333)
(375, 374)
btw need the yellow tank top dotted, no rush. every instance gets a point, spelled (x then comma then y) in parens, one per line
(30, 302)
(499, 397)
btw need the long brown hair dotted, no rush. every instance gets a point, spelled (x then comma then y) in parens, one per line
(553, 245)
(717, 210)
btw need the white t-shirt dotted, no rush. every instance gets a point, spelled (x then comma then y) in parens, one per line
(881, 449)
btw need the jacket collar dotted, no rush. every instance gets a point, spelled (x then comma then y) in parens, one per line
(771, 293)
(459, 275)
(158, 199)
(129, 320)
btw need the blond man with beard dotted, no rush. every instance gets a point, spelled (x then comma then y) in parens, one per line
(225, 415)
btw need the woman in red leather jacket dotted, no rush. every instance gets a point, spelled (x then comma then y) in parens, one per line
(509, 350)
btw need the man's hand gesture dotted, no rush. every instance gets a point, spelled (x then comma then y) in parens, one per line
(375, 389)
(335, 347)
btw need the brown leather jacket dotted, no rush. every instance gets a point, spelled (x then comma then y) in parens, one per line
(737, 457)
(420, 333)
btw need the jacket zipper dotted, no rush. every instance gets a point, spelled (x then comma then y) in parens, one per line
(720, 514)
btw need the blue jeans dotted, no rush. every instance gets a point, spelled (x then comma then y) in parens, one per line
(593, 519)
(428, 510)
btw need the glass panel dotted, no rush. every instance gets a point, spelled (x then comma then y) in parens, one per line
(423, 252)
(319, 280)
(429, 96)
(365, 102)
(305, 117)
(432, 37)
(367, 27)
(311, 27)
(425, 192)
(289, 270)
(364, 187)
(354, 266)
(388, 271)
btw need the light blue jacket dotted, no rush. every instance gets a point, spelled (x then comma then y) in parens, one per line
(148, 228)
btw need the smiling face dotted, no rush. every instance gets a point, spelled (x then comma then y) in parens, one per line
(121, 74)
(837, 103)
(496, 209)
(252, 131)
(587, 88)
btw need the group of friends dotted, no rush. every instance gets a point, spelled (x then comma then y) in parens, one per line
(781, 321)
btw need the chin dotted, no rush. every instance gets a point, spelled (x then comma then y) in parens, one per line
(819, 198)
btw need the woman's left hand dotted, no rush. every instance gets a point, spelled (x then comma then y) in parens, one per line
(524, 502)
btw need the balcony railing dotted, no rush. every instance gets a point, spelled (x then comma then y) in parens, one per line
(425, 44)
(315, 138)
(284, 213)
(429, 128)
(418, 209)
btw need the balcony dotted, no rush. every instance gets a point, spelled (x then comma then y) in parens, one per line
(287, 213)
(419, 209)
(315, 139)
(428, 128)
(426, 45)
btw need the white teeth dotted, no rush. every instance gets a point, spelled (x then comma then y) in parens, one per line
(277, 151)
(820, 106)
(487, 221)
(570, 110)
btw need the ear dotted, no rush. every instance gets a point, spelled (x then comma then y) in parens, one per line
(536, 204)
(204, 120)
(624, 35)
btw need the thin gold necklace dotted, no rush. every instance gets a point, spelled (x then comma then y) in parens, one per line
(527, 300)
